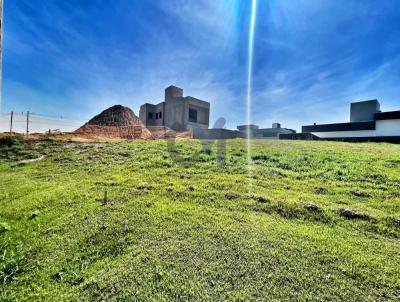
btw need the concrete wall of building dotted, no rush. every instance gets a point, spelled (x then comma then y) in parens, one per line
(202, 114)
(175, 111)
(272, 132)
(383, 128)
(276, 125)
(215, 133)
(159, 113)
(364, 111)
(245, 127)
(173, 92)
(174, 114)
(190, 126)
(144, 111)
(202, 108)
(266, 133)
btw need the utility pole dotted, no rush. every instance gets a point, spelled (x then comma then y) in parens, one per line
(27, 123)
(11, 121)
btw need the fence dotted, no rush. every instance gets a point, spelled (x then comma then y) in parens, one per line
(35, 123)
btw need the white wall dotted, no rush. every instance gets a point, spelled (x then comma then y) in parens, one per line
(383, 128)
(388, 128)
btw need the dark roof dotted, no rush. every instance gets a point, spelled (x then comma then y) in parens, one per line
(357, 126)
(273, 129)
(354, 126)
(389, 115)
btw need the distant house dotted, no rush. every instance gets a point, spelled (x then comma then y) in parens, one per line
(176, 112)
(265, 133)
(188, 113)
(242, 132)
(367, 122)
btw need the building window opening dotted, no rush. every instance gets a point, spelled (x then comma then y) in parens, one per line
(160, 115)
(192, 115)
(157, 116)
(150, 115)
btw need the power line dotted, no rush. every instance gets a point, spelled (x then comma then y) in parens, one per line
(32, 123)
(54, 117)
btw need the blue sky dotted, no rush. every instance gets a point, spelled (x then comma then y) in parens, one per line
(312, 58)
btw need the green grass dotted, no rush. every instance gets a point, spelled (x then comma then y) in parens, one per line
(191, 230)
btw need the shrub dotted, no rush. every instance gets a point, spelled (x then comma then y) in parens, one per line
(10, 140)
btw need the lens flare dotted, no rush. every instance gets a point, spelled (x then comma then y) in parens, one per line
(250, 83)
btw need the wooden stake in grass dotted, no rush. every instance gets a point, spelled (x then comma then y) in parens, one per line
(105, 199)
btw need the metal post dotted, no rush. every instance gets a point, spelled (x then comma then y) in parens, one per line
(27, 123)
(11, 121)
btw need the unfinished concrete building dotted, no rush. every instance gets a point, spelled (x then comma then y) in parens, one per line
(176, 112)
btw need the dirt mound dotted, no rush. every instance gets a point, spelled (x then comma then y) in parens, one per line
(127, 132)
(115, 122)
(116, 116)
(121, 122)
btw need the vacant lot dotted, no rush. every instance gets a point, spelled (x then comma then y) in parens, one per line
(315, 221)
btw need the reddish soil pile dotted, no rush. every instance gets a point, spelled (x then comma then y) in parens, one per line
(116, 122)
(116, 116)
(128, 132)
(121, 122)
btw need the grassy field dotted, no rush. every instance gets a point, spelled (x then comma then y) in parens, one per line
(186, 228)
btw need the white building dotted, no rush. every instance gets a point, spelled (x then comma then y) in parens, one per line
(367, 123)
